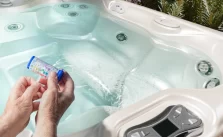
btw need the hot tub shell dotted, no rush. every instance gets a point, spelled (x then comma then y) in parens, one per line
(205, 103)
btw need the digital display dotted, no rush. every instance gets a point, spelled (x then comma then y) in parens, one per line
(165, 128)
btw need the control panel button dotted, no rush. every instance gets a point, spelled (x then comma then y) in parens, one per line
(143, 134)
(173, 121)
(178, 111)
(136, 134)
(192, 121)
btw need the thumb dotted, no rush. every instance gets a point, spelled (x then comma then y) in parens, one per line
(36, 106)
(36, 117)
(52, 82)
(31, 91)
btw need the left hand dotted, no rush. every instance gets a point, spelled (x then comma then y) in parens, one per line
(20, 105)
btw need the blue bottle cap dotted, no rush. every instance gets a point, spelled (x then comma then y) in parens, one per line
(30, 61)
(60, 74)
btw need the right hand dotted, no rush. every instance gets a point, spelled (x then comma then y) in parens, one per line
(56, 99)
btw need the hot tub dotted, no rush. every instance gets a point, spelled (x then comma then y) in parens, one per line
(129, 63)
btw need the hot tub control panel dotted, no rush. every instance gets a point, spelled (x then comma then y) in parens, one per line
(174, 121)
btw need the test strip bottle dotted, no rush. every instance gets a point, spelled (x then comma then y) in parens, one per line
(42, 68)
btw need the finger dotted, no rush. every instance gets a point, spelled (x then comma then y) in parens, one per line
(43, 81)
(36, 106)
(69, 84)
(42, 89)
(21, 85)
(31, 91)
(37, 96)
(25, 81)
(68, 91)
(52, 82)
(61, 84)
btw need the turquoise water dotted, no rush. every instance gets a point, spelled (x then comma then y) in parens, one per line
(109, 74)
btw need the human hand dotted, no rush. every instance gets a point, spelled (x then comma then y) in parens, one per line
(56, 99)
(19, 107)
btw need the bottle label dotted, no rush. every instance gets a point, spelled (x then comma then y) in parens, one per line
(42, 68)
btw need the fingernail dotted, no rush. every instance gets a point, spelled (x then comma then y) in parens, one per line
(36, 84)
(53, 74)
